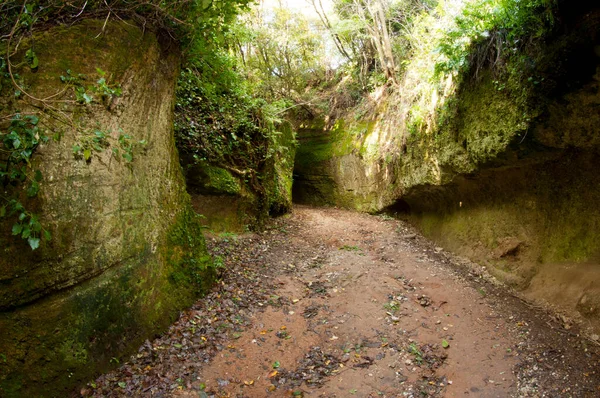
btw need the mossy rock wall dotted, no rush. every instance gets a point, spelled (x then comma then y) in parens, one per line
(506, 173)
(127, 252)
(513, 180)
(229, 202)
(348, 164)
(535, 227)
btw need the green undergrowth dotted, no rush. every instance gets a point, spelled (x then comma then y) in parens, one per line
(239, 142)
(497, 36)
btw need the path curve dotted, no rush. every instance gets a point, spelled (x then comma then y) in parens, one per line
(333, 303)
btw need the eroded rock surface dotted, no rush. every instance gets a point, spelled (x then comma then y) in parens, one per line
(126, 251)
(505, 176)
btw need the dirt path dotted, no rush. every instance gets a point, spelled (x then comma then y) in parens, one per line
(331, 303)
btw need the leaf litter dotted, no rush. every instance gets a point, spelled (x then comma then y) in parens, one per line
(292, 315)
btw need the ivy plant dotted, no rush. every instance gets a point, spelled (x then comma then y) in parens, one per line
(19, 142)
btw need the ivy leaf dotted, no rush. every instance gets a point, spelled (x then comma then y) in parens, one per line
(2, 211)
(33, 119)
(33, 189)
(16, 229)
(445, 344)
(128, 157)
(87, 154)
(47, 235)
(35, 226)
(26, 233)
(34, 62)
(34, 243)
(32, 58)
(38, 176)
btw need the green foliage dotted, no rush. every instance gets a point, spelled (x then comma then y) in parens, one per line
(281, 54)
(416, 352)
(127, 147)
(27, 225)
(378, 43)
(97, 141)
(18, 144)
(186, 21)
(104, 89)
(218, 122)
(85, 95)
(392, 306)
(219, 119)
(503, 23)
(455, 42)
(351, 248)
(32, 59)
(22, 137)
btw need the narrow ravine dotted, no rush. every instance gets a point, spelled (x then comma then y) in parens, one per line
(332, 303)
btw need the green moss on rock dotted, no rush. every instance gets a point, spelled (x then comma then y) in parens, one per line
(221, 181)
(187, 255)
(127, 252)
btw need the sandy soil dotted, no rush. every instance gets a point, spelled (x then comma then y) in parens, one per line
(332, 303)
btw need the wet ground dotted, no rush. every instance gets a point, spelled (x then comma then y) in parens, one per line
(332, 303)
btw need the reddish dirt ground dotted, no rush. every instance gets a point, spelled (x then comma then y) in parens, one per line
(332, 303)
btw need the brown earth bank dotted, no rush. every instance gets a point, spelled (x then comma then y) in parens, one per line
(333, 303)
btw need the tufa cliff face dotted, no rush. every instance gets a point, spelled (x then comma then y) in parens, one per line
(233, 203)
(127, 252)
(505, 173)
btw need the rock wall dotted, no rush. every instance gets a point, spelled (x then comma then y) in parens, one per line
(232, 203)
(342, 165)
(127, 252)
(506, 175)
(526, 203)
